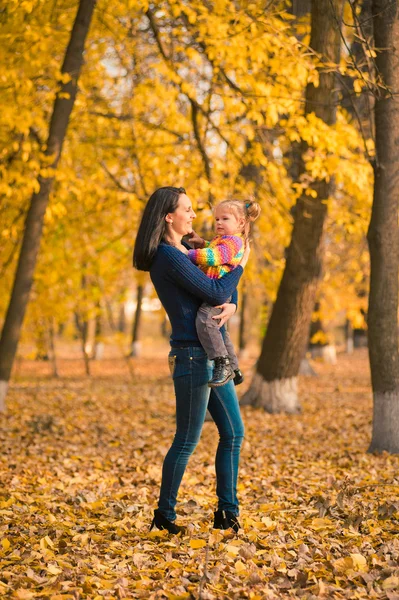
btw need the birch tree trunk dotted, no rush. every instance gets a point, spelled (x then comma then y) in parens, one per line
(383, 234)
(274, 386)
(34, 221)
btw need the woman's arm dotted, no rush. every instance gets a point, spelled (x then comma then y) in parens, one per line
(191, 278)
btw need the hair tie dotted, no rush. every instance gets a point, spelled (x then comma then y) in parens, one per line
(248, 204)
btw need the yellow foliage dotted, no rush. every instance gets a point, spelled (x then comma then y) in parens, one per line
(196, 543)
(132, 131)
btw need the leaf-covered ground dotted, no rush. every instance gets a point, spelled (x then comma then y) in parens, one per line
(80, 469)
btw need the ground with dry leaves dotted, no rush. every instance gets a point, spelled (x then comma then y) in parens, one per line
(80, 470)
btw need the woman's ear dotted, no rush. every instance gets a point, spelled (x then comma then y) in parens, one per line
(168, 219)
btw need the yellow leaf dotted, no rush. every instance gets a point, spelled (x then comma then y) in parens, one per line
(95, 505)
(357, 86)
(106, 584)
(232, 549)
(5, 543)
(322, 525)
(343, 564)
(160, 533)
(23, 594)
(268, 523)
(54, 570)
(390, 583)
(240, 566)
(197, 543)
(359, 562)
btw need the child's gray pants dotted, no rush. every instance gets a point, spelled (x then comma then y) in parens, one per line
(214, 342)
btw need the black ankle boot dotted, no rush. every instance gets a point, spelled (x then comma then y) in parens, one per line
(161, 522)
(222, 373)
(238, 377)
(224, 519)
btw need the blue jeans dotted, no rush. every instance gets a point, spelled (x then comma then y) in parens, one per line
(191, 371)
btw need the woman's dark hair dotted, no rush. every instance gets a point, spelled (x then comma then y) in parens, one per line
(152, 227)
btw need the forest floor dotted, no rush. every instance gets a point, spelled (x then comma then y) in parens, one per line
(80, 469)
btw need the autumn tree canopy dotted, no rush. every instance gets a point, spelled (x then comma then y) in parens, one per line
(178, 94)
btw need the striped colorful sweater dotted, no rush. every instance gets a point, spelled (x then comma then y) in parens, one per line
(220, 256)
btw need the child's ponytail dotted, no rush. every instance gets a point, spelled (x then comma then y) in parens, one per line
(252, 210)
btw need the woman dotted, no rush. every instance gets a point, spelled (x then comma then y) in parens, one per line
(182, 287)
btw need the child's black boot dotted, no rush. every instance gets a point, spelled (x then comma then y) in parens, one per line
(224, 519)
(238, 377)
(222, 372)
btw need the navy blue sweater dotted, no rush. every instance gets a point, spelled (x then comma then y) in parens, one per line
(182, 287)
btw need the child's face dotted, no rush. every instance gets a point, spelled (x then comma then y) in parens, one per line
(227, 223)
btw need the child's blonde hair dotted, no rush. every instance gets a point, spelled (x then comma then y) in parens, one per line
(249, 209)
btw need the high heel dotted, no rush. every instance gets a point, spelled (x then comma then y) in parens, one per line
(224, 519)
(161, 522)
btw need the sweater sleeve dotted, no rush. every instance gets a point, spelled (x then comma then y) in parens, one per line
(218, 254)
(188, 276)
(234, 298)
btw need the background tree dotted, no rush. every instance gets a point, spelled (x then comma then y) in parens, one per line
(34, 221)
(232, 116)
(383, 234)
(274, 386)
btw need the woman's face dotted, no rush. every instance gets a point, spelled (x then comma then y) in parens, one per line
(181, 221)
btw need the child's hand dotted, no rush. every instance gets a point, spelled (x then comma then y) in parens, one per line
(196, 240)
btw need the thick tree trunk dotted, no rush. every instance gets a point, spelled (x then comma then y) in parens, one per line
(242, 340)
(383, 234)
(34, 221)
(300, 8)
(136, 344)
(360, 106)
(275, 383)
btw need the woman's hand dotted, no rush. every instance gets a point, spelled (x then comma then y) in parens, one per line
(245, 256)
(228, 311)
(196, 240)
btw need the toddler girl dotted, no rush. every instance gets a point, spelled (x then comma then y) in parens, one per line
(216, 258)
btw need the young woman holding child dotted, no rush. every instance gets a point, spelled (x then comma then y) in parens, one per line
(182, 287)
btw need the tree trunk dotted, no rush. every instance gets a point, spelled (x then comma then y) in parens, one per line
(274, 386)
(52, 347)
(242, 340)
(360, 106)
(98, 346)
(349, 337)
(320, 345)
(34, 221)
(135, 348)
(121, 318)
(300, 8)
(383, 234)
